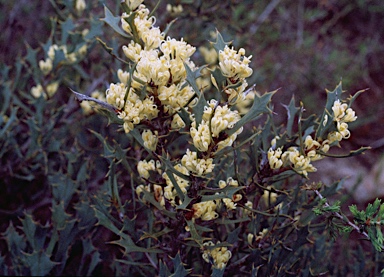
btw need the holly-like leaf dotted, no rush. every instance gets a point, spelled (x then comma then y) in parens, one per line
(114, 22)
(67, 26)
(260, 105)
(326, 120)
(104, 108)
(292, 110)
(127, 243)
(219, 44)
(178, 267)
(39, 263)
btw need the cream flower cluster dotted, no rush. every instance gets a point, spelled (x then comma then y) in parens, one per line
(342, 115)
(170, 192)
(218, 255)
(150, 139)
(200, 167)
(235, 66)
(301, 161)
(133, 110)
(174, 97)
(228, 202)
(143, 167)
(216, 119)
(46, 65)
(205, 210)
(159, 71)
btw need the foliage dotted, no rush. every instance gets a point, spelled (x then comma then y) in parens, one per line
(201, 180)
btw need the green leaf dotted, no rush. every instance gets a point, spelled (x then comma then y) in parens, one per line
(39, 263)
(334, 188)
(178, 267)
(85, 215)
(163, 269)
(327, 118)
(260, 105)
(109, 151)
(129, 246)
(66, 27)
(94, 31)
(59, 216)
(216, 272)
(59, 58)
(114, 22)
(192, 76)
(353, 98)
(110, 50)
(105, 219)
(16, 243)
(219, 44)
(292, 110)
(195, 236)
(233, 236)
(63, 187)
(9, 123)
(227, 192)
(36, 234)
(31, 57)
(5, 97)
(169, 25)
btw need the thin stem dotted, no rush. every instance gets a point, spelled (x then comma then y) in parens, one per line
(337, 214)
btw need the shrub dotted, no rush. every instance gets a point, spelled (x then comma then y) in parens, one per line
(199, 178)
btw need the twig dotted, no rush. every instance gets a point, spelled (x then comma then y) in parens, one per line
(337, 214)
(264, 15)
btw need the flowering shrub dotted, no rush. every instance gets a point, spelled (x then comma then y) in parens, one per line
(204, 196)
(200, 180)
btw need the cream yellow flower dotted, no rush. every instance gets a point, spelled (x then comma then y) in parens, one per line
(134, 110)
(152, 38)
(37, 91)
(300, 163)
(205, 210)
(143, 167)
(133, 4)
(132, 51)
(155, 69)
(115, 95)
(201, 136)
(177, 122)
(223, 119)
(174, 97)
(52, 88)
(170, 192)
(80, 6)
(197, 166)
(45, 66)
(150, 139)
(234, 64)
(274, 158)
(123, 76)
(219, 255)
(176, 49)
(174, 10)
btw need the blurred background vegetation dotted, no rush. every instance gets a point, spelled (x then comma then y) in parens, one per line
(50, 162)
